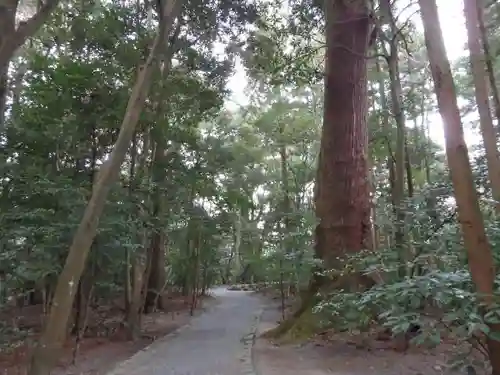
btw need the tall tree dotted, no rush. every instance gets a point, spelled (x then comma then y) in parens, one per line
(488, 59)
(477, 59)
(469, 214)
(343, 199)
(392, 56)
(54, 335)
(342, 189)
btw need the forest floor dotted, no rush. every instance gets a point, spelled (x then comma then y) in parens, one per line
(339, 354)
(212, 343)
(104, 345)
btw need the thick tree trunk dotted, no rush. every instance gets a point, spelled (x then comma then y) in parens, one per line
(54, 335)
(342, 189)
(477, 59)
(469, 214)
(343, 200)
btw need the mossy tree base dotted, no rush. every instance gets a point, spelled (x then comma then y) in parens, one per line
(303, 323)
(294, 329)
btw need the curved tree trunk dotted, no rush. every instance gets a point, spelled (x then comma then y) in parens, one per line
(54, 335)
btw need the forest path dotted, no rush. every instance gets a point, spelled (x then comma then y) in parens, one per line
(214, 343)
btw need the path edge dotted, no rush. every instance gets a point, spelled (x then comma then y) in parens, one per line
(249, 367)
(118, 368)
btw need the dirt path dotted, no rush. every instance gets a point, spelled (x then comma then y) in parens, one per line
(212, 344)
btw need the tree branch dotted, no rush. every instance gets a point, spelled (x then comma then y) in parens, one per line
(26, 29)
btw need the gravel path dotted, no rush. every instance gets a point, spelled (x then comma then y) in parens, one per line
(213, 344)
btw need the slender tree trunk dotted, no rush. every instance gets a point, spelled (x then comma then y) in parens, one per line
(157, 250)
(134, 312)
(399, 117)
(489, 61)
(85, 286)
(4, 82)
(196, 272)
(139, 258)
(469, 214)
(8, 9)
(237, 244)
(132, 296)
(373, 207)
(396, 99)
(409, 171)
(477, 59)
(54, 335)
(156, 279)
(285, 222)
(385, 126)
(128, 257)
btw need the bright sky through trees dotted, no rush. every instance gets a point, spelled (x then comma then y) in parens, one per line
(454, 33)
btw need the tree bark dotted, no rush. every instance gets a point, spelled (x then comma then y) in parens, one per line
(285, 226)
(54, 335)
(476, 243)
(489, 61)
(156, 279)
(237, 244)
(343, 191)
(399, 117)
(385, 126)
(157, 249)
(477, 59)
